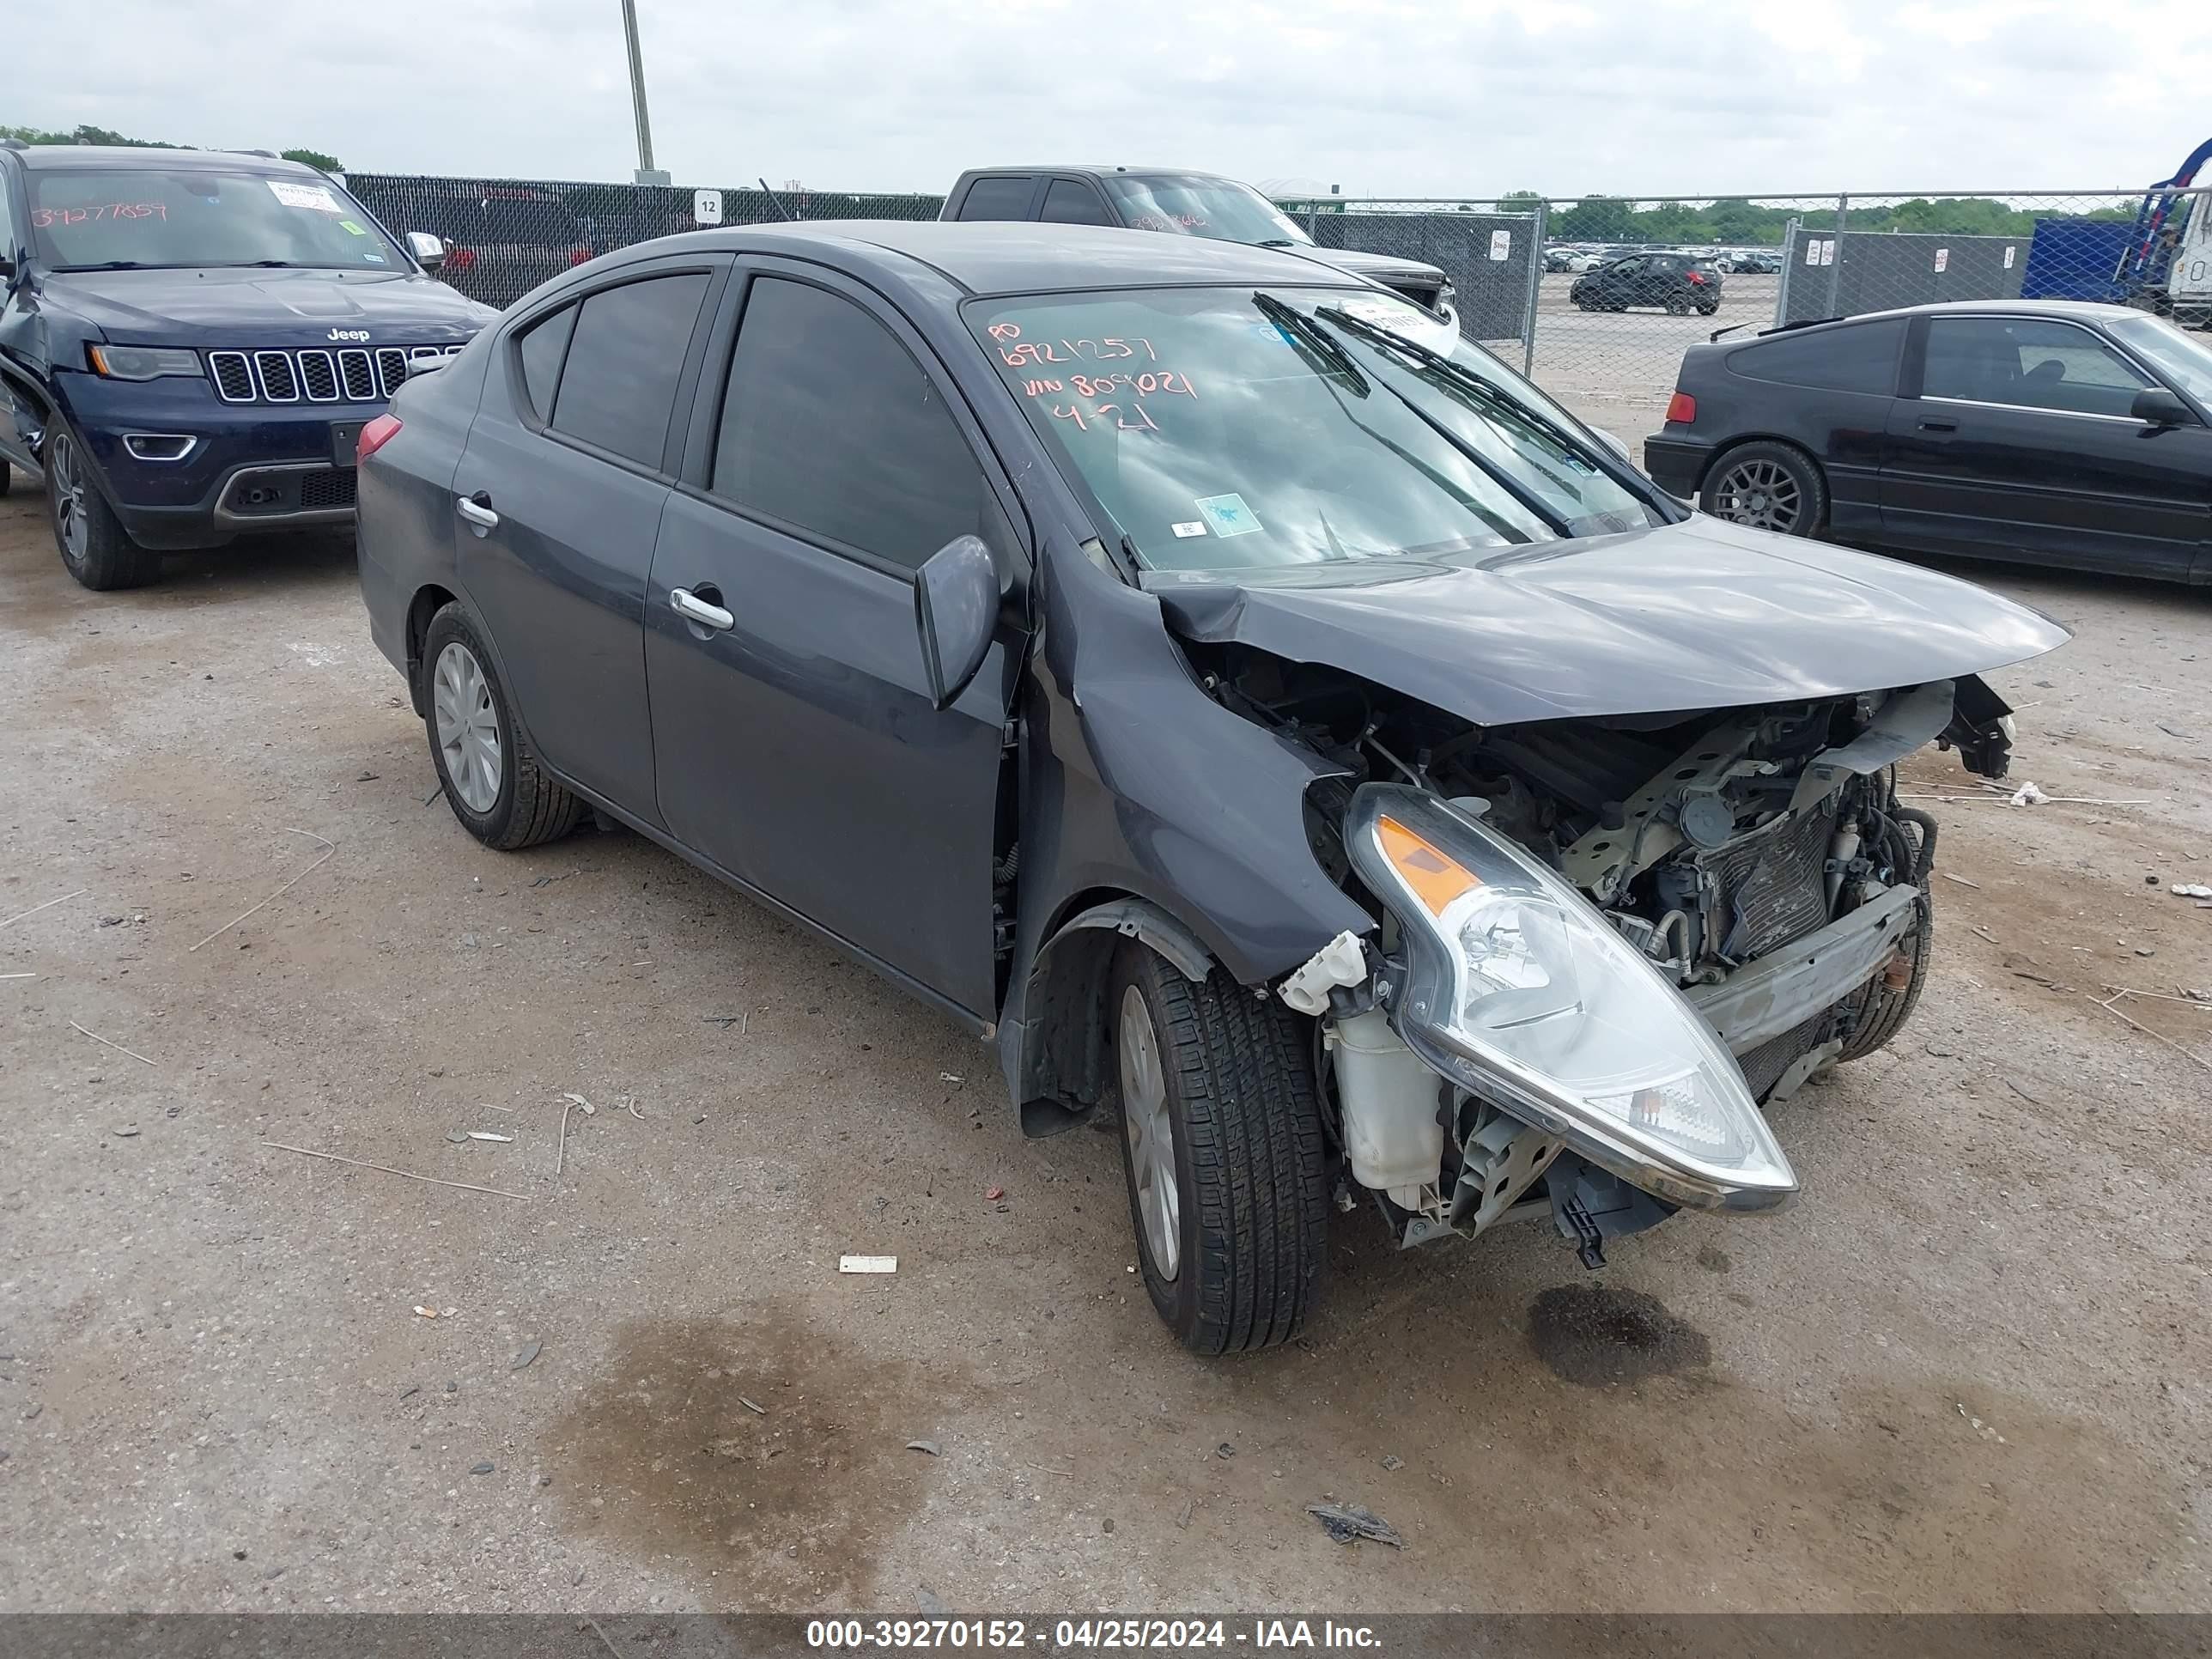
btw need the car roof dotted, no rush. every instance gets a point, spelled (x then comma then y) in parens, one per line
(1102, 169)
(1019, 257)
(64, 158)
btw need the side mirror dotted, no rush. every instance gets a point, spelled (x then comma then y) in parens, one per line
(956, 605)
(429, 252)
(2154, 406)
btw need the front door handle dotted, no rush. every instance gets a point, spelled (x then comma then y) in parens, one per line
(477, 509)
(690, 606)
(1939, 426)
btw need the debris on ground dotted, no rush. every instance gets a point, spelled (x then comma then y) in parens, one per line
(125, 1132)
(1393, 1464)
(48, 905)
(486, 1134)
(481, 1468)
(756, 1409)
(867, 1264)
(2196, 889)
(994, 1194)
(1347, 1524)
(2028, 795)
(929, 1446)
(530, 1351)
(1224, 1451)
(1962, 880)
(950, 1076)
(457, 1137)
(426, 1313)
(117, 1046)
(386, 1169)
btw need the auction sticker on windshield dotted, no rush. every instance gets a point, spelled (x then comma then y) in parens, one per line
(316, 196)
(1227, 515)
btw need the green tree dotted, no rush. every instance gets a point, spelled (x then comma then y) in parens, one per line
(313, 158)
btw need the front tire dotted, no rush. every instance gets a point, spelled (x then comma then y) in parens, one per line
(491, 775)
(96, 547)
(1767, 486)
(1225, 1153)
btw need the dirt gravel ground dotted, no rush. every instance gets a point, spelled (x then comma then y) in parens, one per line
(1968, 1370)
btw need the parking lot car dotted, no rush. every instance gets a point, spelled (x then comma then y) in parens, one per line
(190, 343)
(1260, 715)
(2048, 431)
(501, 240)
(1680, 283)
(1178, 204)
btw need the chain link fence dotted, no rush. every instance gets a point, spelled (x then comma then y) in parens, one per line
(1597, 297)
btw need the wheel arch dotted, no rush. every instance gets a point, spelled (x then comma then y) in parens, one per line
(428, 600)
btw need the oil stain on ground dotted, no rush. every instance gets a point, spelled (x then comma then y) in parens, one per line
(1598, 1335)
(665, 1454)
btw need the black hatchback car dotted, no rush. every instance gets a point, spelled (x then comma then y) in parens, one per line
(1253, 712)
(2048, 431)
(1678, 283)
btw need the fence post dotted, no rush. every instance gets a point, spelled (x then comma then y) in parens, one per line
(1836, 268)
(1790, 235)
(1536, 288)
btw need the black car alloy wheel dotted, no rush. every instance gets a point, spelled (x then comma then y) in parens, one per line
(1769, 486)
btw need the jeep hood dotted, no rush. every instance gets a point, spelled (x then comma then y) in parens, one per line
(265, 307)
(1700, 615)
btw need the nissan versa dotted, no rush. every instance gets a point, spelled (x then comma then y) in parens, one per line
(1262, 717)
(190, 342)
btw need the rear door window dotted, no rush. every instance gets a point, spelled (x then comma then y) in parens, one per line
(1860, 357)
(1071, 201)
(999, 198)
(830, 426)
(619, 384)
(540, 350)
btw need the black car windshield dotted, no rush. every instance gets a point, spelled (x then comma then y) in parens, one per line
(2184, 359)
(1192, 205)
(193, 216)
(1226, 428)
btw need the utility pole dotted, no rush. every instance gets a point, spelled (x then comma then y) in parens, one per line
(647, 174)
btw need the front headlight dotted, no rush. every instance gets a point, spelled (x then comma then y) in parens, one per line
(1519, 989)
(126, 362)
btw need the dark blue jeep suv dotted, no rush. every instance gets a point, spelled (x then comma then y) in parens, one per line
(190, 342)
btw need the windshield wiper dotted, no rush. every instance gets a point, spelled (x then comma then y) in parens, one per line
(1465, 379)
(1314, 339)
(1276, 241)
(117, 264)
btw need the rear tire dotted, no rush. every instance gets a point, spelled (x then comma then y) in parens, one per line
(96, 547)
(1231, 1249)
(1767, 486)
(491, 775)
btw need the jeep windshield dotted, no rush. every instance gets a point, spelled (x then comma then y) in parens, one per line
(1226, 428)
(1191, 205)
(134, 218)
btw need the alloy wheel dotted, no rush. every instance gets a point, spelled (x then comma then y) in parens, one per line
(1761, 494)
(468, 726)
(71, 526)
(1151, 1133)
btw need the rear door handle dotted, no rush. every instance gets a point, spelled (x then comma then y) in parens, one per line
(1939, 426)
(477, 509)
(690, 606)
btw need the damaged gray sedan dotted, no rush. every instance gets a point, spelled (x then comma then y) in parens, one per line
(1259, 715)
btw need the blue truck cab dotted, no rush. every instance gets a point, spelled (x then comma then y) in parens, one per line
(190, 342)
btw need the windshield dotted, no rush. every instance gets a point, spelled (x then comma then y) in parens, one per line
(2183, 359)
(1191, 205)
(1222, 428)
(192, 216)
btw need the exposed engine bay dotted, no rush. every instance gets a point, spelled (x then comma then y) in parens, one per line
(1757, 859)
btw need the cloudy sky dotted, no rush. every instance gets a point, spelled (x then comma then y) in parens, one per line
(1383, 97)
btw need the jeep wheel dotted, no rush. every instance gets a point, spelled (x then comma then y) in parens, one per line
(96, 547)
(1225, 1153)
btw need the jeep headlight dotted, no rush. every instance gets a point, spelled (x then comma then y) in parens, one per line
(128, 362)
(1519, 989)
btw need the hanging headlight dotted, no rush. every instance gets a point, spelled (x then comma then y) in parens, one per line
(1519, 989)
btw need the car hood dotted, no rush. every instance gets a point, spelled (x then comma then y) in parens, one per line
(149, 308)
(1379, 267)
(1700, 615)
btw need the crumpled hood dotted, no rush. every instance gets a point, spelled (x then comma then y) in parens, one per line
(1700, 615)
(1377, 267)
(265, 307)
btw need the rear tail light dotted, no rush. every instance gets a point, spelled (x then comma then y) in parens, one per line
(384, 427)
(1698, 277)
(461, 257)
(580, 253)
(1681, 410)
